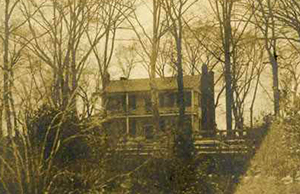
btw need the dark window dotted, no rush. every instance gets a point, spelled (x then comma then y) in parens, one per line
(161, 99)
(117, 103)
(188, 98)
(132, 129)
(148, 103)
(132, 102)
(167, 99)
(148, 131)
(170, 99)
(123, 99)
(115, 127)
(112, 104)
(162, 124)
(188, 123)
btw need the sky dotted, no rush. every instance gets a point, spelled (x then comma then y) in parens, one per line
(144, 13)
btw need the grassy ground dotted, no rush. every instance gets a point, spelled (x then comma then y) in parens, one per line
(275, 168)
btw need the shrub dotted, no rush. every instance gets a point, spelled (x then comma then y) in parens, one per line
(55, 146)
(277, 158)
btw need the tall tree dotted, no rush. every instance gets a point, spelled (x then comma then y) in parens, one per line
(267, 24)
(12, 51)
(127, 59)
(233, 19)
(60, 33)
(150, 43)
(247, 68)
(176, 10)
(223, 11)
(109, 20)
(287, 14)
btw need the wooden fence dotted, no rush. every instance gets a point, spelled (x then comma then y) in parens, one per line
(235, 142)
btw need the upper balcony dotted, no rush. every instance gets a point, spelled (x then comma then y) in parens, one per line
(132, 97)
(139, 103)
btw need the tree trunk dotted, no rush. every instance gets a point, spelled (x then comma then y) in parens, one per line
(276, 93)
(6, 72)
(228, 77)
(153, 59)
(180, 99)
(1, 120)
(153, 87)
(183, 136)
(253, 100)
(74, 83)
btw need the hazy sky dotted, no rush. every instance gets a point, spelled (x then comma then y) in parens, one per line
(201, 9)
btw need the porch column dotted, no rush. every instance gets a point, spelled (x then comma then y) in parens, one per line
(126, 113)
(192, 111)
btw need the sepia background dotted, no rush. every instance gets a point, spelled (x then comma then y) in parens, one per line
(61, 58)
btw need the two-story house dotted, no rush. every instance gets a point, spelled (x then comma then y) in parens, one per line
(128, 103)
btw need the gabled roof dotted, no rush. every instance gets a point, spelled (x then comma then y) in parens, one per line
(139, 85)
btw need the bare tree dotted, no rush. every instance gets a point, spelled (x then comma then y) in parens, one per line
(12, 50)
(290, 81)
(61, 33)
(223, 11)
(176, 12)
(259, 65)
(111, 17)
(247, 67)
(150, 43)
(233, 19)
(267, 24)
(127, 59)
(164, 66)
(287, 12)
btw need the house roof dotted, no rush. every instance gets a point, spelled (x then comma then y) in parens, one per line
(139, 85)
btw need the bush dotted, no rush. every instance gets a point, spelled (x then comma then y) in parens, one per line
(167, 175)
(277, 160)
(66, 126)
(58, 153)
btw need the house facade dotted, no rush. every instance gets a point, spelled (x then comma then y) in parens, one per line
(128, 105)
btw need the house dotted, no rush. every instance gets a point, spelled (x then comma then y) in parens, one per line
(128, 103)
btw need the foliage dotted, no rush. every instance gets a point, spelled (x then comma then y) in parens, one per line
(44, 124)
(165, 175)
(275, 167)
(56, 153)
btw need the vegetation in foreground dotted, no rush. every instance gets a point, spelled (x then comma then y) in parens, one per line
(275, 168)
(59, 153)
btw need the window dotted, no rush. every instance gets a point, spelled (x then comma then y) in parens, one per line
(170, 99)
(161, 100)
(132, 102)
(188, 98)
(123, 102)
(167, 99)
(117, 127)
(162, 124)
(117, 103)
(188, 123)
(132, 128)
(148, 104)
(148, 131)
